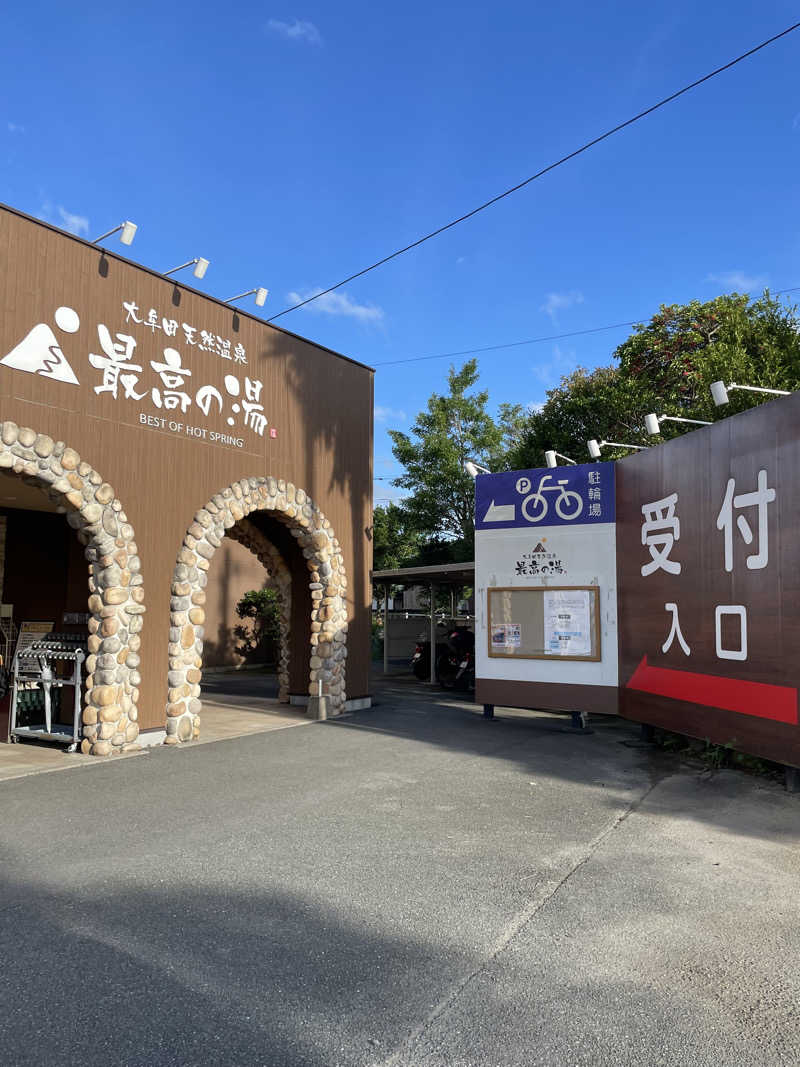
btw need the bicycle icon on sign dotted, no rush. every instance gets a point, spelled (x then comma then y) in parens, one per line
(568, 503)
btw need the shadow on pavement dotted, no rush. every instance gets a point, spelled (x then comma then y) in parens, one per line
(173, 975)
(541, 744)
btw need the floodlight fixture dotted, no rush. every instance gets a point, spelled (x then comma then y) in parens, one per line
(200, 267)
(551, 458)
(474, 469)
(652, 422)
(126, 237)
(719, 391)
(261, 296)
(595, 447)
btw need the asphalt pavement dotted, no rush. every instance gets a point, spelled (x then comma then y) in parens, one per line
(411, 886)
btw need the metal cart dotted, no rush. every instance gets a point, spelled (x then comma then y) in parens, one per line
(37, 688)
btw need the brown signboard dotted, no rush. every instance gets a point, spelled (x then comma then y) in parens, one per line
(708, 551)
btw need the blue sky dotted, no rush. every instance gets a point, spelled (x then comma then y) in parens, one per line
(292, 145)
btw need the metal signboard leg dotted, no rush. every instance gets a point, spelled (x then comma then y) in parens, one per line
(385, 627)
(433, 633)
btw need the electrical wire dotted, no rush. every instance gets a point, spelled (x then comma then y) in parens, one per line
(533, 340)
(541, 173)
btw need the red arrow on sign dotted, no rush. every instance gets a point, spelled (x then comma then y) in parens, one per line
(777, 702)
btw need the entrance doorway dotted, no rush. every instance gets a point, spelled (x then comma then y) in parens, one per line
(246, 647)
(280, 525)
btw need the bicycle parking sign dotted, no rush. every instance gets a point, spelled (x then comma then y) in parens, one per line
(577, 495)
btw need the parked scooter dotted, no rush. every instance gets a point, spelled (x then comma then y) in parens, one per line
(455, 666)
(421, 660)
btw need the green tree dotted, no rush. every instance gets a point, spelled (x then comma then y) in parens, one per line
(666, 366)
(672, 361)
(586, 404)
(393, 543)
(455, 427)
(259, 631)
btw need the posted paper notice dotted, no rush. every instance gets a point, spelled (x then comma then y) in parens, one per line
(506, 635)
(567, 622)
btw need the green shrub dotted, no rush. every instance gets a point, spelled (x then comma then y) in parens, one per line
(259, 632)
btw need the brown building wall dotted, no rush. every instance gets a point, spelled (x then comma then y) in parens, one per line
(318, 404)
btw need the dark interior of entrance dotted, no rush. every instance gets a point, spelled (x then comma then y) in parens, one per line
(44, 576)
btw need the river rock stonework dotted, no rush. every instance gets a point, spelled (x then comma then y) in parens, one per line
(116, 591)
(224, 515)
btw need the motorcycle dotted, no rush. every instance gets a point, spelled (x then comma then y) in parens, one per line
(421, 660)
(455, 665)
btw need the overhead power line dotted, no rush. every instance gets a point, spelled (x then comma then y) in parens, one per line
(509, 344)
(533, 340)
(541, 173)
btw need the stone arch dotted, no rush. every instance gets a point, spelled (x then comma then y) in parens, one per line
(328, 583)
(116, 590)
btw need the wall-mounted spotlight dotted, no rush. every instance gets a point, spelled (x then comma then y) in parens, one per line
(652, 422)
(719, 391)
(474, 469)
(126, 237)
(200, 267)
(261, 296)
(595, 446)
(551, 458)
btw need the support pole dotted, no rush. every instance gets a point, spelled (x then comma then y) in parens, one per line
(433, 634)
(579, 724)
(385, 627)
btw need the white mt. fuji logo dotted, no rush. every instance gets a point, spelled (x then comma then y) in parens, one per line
(39, 352)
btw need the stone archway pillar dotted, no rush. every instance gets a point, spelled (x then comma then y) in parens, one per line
(116, 590)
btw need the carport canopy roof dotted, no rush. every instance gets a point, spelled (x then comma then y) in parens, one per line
(442, 574)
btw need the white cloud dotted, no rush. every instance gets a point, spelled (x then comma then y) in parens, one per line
(339, 303)
(556, 302)
(739, 281)
(384, 414)
(77, 224)
(296, 30)
(14, 127)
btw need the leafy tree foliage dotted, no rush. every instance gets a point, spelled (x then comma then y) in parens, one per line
(455, 427)
(259, 631)
(586, 404)
(393, 543)
(666, 366)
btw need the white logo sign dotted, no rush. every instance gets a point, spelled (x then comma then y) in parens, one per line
(175, 387)
(40, 352)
